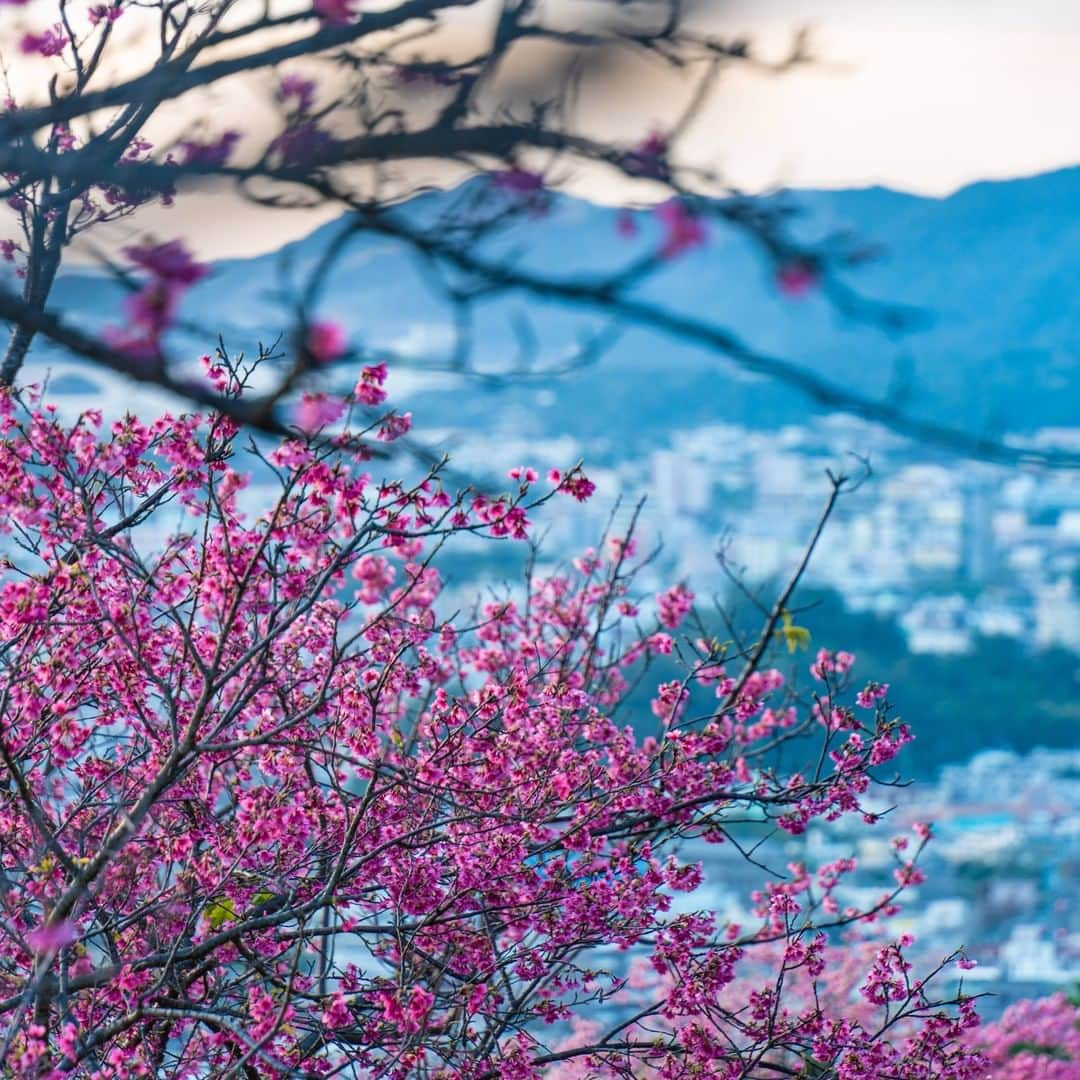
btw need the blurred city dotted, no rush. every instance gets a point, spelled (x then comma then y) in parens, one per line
(955, 558)
(952, 551)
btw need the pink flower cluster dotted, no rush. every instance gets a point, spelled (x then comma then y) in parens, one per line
(683, 230)
(171, 270)
(1033, 1039)
(334, 12)
(648, 158)
(216, 152)
(50, 42)
(674, 606)
(326, 341)
(796, 278)
(370, 388)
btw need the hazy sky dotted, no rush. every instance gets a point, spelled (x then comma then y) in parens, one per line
(923, 95)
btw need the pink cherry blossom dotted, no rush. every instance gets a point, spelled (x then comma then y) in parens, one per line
(683, 230)
(105, 13)
(326, 341)
(648, 158)
(50, 42)
(303, 143)
(370, 387)
(518, 181)
(170, 261)
(315, 411)
(796, 278)
(575, 483)
(52, 937)
(1032, 1039)
(394, 426)
(300, 88)
(216, 152)
(152, 310)
(335, 12)
(675, 605)
(871, 694)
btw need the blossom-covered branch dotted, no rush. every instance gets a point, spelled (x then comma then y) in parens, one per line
(269, 812)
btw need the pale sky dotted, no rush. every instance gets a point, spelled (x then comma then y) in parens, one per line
(921, 95)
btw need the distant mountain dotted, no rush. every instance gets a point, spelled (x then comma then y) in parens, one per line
(995, 268)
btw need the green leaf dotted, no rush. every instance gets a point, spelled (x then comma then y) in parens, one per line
(219, 912)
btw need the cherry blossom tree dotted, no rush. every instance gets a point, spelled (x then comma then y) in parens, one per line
(1034, 1038)
(270, 811)
(273, 808)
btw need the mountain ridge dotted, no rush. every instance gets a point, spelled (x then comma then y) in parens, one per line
(994, 265)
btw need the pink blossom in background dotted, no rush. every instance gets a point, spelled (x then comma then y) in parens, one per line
(300, 88)
(212, 153)
(52, 937)
(105, 13)
(796, 279)
(326, 341)
(1033, 1040)
(170, 261)
(154, 307)
(526, 187)
(683, 230)
(518, 181)
(335, 12)
(315, 411)
(303, 143)
(647, 159)
(51, 42)
(137, 345)
(655, 145)
(413, 75)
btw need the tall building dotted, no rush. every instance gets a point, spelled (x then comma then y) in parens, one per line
(977, 539)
